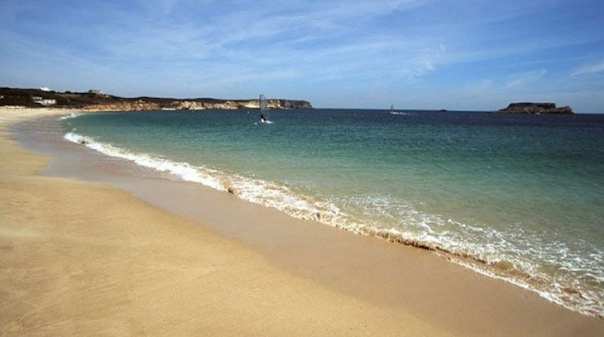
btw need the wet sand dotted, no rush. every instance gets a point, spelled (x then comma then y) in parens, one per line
(93, 247)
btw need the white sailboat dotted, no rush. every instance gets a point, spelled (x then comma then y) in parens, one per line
(394, 112)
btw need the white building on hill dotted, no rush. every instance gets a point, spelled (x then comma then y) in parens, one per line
(44, 101)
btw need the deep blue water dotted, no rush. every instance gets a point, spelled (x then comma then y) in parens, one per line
(513, 196)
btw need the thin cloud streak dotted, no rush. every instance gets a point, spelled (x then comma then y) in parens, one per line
(591, 69)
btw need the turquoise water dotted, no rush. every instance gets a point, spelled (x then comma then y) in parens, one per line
(514, 197)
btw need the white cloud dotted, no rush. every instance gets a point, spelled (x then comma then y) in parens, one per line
(591, 69)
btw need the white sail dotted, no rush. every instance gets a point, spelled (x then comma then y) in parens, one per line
(264, 110)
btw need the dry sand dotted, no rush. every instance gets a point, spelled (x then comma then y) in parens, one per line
(82, 258)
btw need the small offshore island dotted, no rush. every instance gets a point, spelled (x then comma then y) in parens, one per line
(536, 109)
(96, 100)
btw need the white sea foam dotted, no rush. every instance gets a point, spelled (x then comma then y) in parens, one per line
(72, 115)
(183, 170)
(253, 190)
(504, 255)
(551, 270)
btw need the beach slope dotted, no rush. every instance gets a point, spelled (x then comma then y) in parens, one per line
(85, 259)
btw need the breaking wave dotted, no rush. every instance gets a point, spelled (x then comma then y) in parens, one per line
(484, 250)
(72, 115)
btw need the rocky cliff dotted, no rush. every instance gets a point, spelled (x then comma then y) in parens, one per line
(96, 100)
(194, 104)
(536, 108)
(237, 104)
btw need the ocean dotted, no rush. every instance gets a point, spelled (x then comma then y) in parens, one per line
(515, 197)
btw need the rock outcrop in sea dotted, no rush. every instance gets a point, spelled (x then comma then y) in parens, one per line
(536, 108)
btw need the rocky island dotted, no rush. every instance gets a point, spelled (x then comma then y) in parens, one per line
(536, 109)
(98, 101)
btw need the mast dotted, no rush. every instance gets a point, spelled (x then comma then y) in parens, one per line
(263, 106)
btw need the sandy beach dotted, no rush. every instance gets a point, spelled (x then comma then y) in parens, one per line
(84, 257)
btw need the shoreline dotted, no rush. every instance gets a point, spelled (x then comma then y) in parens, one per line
(437, 295)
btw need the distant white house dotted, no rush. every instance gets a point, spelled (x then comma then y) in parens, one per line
(44, 101)
(45, 89)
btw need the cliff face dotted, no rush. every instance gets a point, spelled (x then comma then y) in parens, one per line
(95, 100)
(238, 104)
(123, 106)
(536, 108)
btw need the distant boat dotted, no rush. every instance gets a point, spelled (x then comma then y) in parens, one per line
(394, 112)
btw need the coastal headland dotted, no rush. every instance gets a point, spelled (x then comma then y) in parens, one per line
(96, 100)
(80, 256)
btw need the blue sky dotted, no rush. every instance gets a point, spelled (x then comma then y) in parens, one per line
(416, 54)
